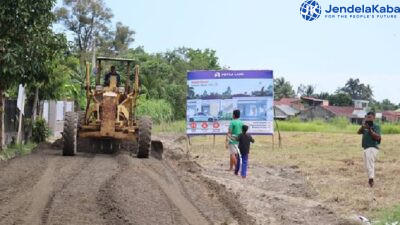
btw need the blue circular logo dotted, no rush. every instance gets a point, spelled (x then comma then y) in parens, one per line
(310, 10)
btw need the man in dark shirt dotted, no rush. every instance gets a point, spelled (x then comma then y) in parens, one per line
(112, 72)
(371, 138)
(244, 148)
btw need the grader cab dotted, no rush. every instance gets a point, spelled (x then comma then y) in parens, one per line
(109, 120)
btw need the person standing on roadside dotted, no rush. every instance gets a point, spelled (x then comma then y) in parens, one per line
(235, 128)
(371, 138)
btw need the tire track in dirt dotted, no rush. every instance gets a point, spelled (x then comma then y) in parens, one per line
(15, 178)
(105, 199)
(210, 199)
(131, 197)
(65, 179)
(173, 191)
(204, 192)
(27, 205)
(75, 202)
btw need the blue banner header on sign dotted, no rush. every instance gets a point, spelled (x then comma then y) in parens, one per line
(230, 74)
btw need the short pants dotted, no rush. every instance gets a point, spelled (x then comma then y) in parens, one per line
(233, 149)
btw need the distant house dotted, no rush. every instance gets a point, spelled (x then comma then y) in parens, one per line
(292, 102)
(326, 112)
(318, 108)
(310, 101)
(360, 104)
(391, 116)
(284, 112)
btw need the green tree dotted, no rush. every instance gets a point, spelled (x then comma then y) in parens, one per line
(357, 90)
(305, 90)
(283, 88)
(123, 37)
(323, 95)
(27, 45)
(88, 20)
(340, 99)
(384, 105)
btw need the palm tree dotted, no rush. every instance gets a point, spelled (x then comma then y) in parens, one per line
(283, 89)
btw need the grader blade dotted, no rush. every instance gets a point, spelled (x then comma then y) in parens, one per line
(157, 149)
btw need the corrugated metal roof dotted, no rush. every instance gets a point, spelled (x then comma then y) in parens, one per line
(287, 110)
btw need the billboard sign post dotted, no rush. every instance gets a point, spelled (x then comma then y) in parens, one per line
(213, 95)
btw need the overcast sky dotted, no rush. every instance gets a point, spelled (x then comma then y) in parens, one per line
(263, 34)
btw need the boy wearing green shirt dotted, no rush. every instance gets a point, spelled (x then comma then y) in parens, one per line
(235, 128)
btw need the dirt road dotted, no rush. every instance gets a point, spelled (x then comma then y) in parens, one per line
(47, 188)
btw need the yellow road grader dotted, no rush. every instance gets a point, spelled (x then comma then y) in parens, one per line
(109, 121)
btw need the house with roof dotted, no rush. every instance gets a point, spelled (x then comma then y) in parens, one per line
(391, 116)
(292, 102)
(284, 112)
(311, 101)
(320, 109)
(326, 112)
(286, 108)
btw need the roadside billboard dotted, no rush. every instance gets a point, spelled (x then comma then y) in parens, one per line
(213, 95)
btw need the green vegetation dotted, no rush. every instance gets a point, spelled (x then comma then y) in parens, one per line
(40, 130)
(17, 150)
(336, 125)
(283, 88)
(389, 216)
(158, 109)
(28, 45)
(178, 126)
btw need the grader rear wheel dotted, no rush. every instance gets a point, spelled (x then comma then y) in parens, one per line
(144, 137)
(70, 134)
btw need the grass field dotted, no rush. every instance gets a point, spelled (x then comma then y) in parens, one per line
(331, 162)
(389, 216)
(338, 125)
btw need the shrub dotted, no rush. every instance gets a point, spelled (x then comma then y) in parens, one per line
(158, 109)
(340, 122)
(40, 130)
(390, 128)
(178, 126)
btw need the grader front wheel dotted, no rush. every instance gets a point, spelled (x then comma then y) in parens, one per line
(144, 139)
(70, 134)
